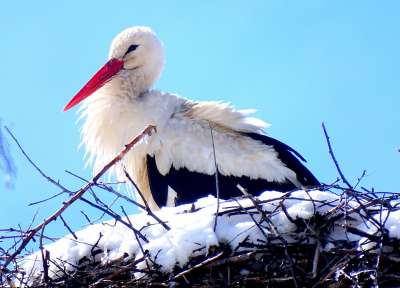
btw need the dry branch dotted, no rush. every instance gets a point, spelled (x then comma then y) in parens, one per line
(146, 132)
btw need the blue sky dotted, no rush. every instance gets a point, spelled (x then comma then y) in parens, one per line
(298, 62)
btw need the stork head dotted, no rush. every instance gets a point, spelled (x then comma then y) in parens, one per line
(134, 50)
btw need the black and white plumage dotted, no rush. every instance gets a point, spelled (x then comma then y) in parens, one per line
(176, 165)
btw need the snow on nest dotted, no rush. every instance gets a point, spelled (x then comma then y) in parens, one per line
(192, 231)
(390, 221)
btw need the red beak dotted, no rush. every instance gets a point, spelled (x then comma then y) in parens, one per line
(112, 67)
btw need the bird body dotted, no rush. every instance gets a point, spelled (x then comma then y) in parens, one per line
(194, 140)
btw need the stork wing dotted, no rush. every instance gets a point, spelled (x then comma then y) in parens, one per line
(190, 186)
(184, 159)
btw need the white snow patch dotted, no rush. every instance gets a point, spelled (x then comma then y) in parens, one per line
(390, 220)
(192, 231)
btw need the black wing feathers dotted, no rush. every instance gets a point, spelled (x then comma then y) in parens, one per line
(158, 183)
(288, 156)
(191, 185)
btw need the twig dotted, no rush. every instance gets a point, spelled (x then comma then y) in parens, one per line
(334, 158)
(56, 183)
(106, 187)
(200, 265)
(117, 217)
(92, 250)
(47, 199)
(125, 268)
(107, 205)
(316, 259)
(364, 173)
(216, 176)
(147, 207)
(148, 131)
(86, 217)
(44, 253)
(233, 260)
(255, 221)
(137, 238)
(68, 228)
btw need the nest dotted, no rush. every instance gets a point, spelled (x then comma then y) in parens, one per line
(345, 243)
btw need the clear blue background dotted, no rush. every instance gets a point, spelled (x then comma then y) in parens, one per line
(298, 62)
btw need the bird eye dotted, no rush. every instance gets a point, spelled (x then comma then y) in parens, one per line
(132, 48)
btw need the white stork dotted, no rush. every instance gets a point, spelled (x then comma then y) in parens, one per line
(177, 164)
